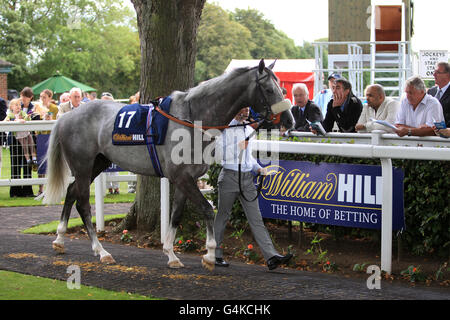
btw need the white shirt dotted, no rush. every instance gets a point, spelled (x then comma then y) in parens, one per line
(227, 145)
(387, 111)
(428, 111)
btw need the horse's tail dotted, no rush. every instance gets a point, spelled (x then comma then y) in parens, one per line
(58, 171)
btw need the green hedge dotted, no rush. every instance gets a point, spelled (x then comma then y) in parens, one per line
(426, 201)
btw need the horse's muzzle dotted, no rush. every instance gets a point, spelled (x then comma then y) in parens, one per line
(281, 106)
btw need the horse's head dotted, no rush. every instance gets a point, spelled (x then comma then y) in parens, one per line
(268, 98)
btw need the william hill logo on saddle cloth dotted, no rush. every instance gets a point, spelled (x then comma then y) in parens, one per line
(138, 124)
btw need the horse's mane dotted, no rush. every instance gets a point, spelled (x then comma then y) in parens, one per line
(209, 87)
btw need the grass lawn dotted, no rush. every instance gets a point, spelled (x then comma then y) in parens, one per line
(16, 286)
(6, 201)
(52, 226)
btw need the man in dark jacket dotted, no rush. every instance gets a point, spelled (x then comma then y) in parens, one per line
(442, 89)
(3, 110)
(304, 109)
(344, 109)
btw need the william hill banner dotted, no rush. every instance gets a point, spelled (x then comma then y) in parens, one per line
(334, 194)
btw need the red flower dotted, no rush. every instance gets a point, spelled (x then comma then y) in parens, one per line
(125, 231)
(328, 262)
(188, 241)
(180, 242)
(250, 247)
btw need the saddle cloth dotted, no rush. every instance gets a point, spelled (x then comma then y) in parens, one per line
(138, 124)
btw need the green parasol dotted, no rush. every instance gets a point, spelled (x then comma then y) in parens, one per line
(59, 84)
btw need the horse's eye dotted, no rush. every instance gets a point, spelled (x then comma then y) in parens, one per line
(270, 90)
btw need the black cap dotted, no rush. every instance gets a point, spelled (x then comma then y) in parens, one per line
(334, 76)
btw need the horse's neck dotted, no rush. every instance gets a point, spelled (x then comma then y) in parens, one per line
(223, 100)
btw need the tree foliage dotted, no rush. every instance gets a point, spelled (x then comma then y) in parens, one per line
(92, 41)
(242, 34)
(96, 42)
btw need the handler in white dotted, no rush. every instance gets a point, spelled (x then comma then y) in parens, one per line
(231, 142)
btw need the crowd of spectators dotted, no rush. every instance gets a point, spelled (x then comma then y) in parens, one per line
(416, 114)
(22, 144)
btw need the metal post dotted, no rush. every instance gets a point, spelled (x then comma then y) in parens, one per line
(165, 207)
(386, 215)
(100, 185)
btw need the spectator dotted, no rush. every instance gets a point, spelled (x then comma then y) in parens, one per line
(418, 110)
(64, 97)
(344, 108)
(107, 96)
(132, 184)
(26, 96)
(46, 111)
(132, 100)
(20, 168)
(3, 110)
(378, 107)
(49, 110)
(24, 137)
(304, 109)
(326, 94)
(85, 97)
(92, 95)
(441, 91)
(74, 102)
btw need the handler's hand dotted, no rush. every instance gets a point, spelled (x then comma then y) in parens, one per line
(262, 171)
(243, 144)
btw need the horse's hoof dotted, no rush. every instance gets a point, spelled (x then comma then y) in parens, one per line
(208, 264)
(108, 259)
(176, 264)
(59, 248)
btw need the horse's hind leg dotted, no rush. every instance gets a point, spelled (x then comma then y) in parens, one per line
(84, 209)
(100, 164)
(58, 244)
(179, 200)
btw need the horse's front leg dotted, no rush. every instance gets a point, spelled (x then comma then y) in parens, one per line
(189, 187)
(179, 200)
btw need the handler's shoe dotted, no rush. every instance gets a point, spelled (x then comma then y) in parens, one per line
(277, 260)
(221, 263)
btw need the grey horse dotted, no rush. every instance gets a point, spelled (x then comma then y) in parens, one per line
(81, 144)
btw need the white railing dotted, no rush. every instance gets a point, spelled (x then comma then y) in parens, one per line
(358, 145)
(370, 145)
(44, 125)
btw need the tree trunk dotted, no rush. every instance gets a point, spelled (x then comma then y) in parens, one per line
(167, 32)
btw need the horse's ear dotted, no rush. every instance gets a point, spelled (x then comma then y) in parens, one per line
(272, 64)
(261, 66)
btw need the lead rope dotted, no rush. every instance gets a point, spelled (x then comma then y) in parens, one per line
(258, 190)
